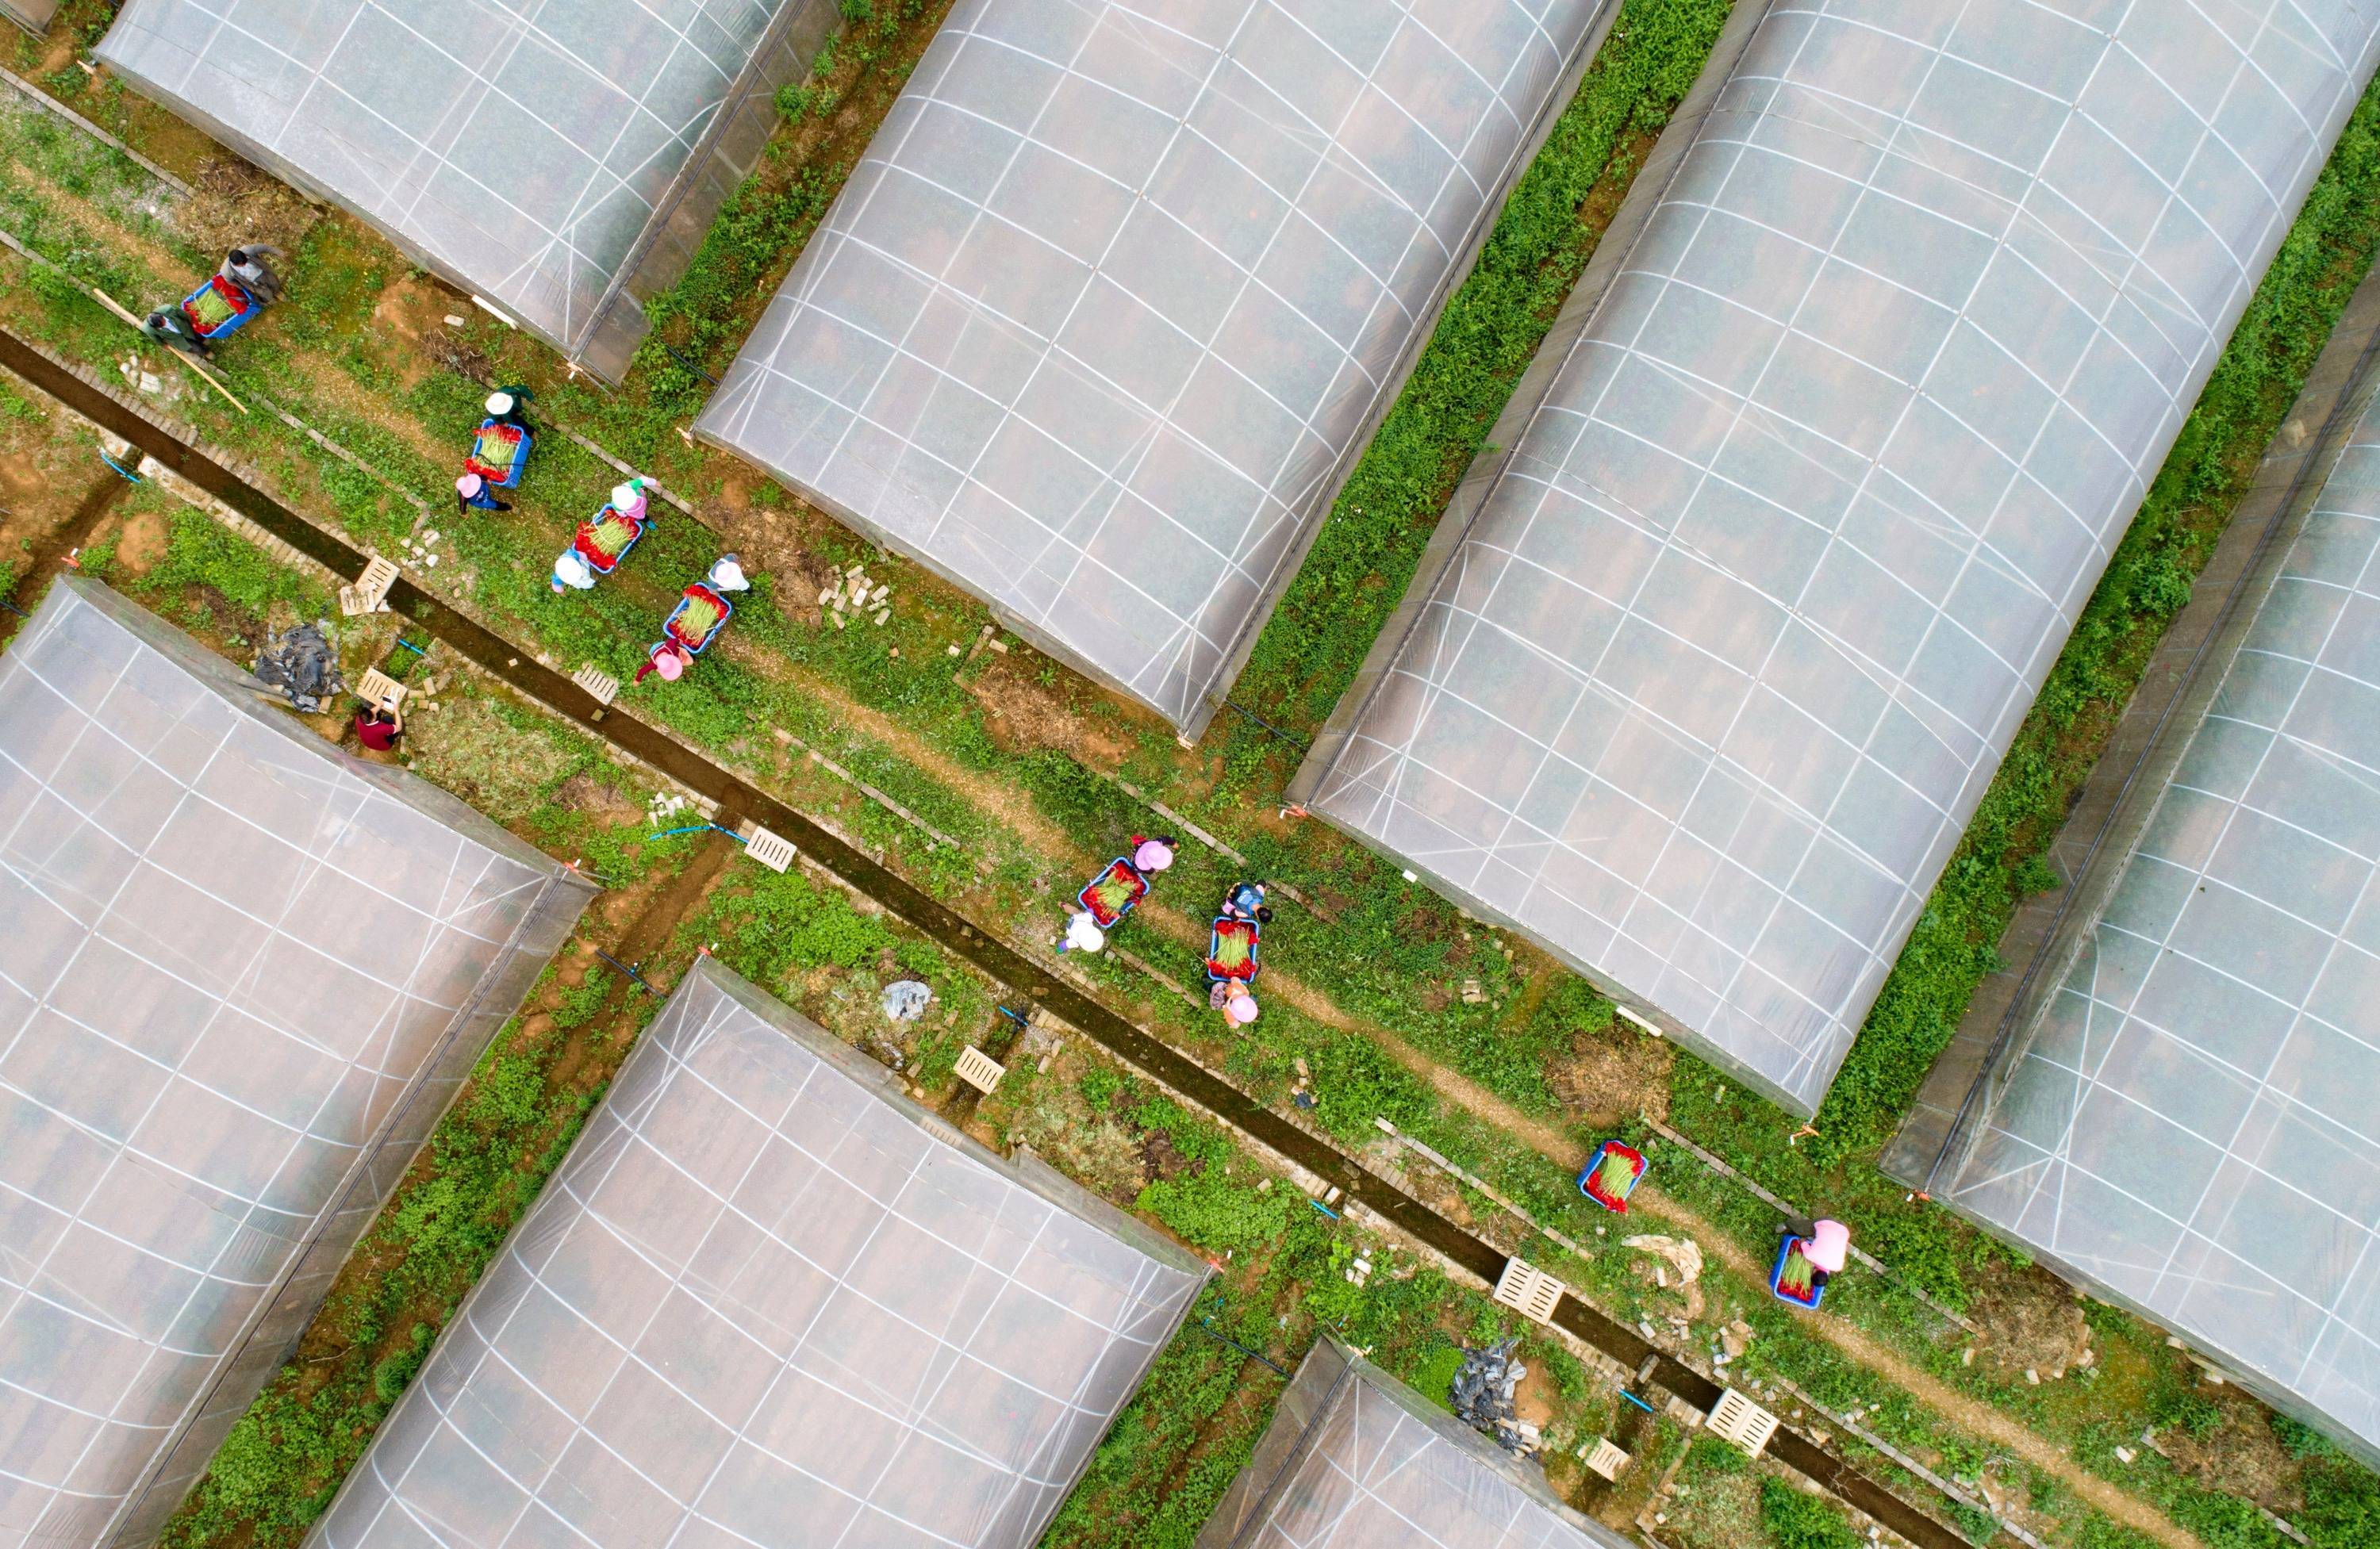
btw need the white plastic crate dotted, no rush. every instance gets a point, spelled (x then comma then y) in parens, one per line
(1739, 1419)
(602, 685)
(774, 850)
(1529, 1290)
(376, 687)
(371, 586)
(1605, 1458)
(979, 1070)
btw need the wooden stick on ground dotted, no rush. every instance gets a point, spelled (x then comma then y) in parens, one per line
(190, 360)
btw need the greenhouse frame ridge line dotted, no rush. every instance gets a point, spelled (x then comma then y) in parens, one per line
(519, 667)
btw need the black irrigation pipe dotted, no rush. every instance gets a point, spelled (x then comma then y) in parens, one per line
(623, 968)
(1204, 1328)
(1126, 1040)
(672, 352)
(1285, 735)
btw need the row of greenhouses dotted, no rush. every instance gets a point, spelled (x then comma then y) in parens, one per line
(765, 1299)
(1701, 693)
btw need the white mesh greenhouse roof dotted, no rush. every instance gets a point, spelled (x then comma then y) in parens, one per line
(1710, 687)
(32, 15)
(1355, 1459)
(242, 975)
(1119, 289)
(2190, 1124)
(541, 155)
(766, 1300)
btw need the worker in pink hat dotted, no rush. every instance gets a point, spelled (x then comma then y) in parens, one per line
(1231, 997)
(667, 657)
(475, 493)
(1150, 857)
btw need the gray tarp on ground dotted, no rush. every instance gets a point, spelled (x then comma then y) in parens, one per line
(550, 157)
(242, 977)
(1119, 289)
(2188, 1122)
(1706, 693)
(1355, 1459)
(767, 1301)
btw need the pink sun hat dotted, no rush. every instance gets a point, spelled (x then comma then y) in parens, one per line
(1152, 856)
(1240, 1010)
(469, 485)
(670, 664)
(1829, 1242)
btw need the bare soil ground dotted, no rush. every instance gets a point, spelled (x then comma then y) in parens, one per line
(1024, 713)
(232, 204)
(1975, 1418)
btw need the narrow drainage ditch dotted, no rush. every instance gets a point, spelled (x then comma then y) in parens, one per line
(1159, 1060)
(54, 550)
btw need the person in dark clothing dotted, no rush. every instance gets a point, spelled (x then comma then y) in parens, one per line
(509, 406)
(246, 268)
(168, 327)
(377, 727)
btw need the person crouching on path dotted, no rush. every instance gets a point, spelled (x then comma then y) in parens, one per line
(246, 268)
(1150, 857)
(168, 327)
(475, 493)
(1083, 934)
(509, 406)
(1231, 997)
(377, 727)
(1245, 900)
(667, 657)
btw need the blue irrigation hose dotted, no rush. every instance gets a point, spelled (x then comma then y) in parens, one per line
(410, 646)
(129, 475)
(1638, 1402)
(700, 827)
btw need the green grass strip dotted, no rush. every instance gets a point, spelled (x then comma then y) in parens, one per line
(1364, 556)
(2213, 461)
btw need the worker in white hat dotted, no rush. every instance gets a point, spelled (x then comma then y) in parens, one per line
(509, 406)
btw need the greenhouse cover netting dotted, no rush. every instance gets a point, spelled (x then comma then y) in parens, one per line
(560, 160)
(243, 974)
(2186, 1120)
(1704, 692)
(767, 1299)
(1355, 1459)
(1111, 305)
(33, 16)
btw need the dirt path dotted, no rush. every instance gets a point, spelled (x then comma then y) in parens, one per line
(1003, 804)
(1971, 1415)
